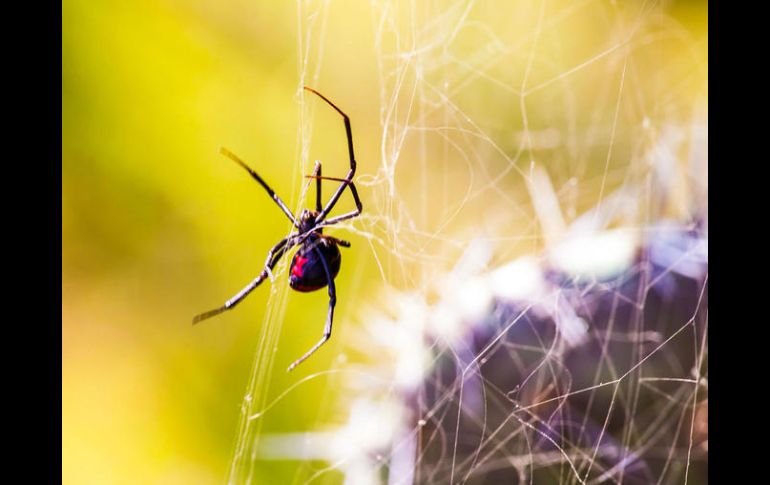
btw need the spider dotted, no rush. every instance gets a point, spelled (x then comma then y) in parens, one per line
(318, 259)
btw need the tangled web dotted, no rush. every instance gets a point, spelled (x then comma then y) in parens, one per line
(539, 220)
(578, 382)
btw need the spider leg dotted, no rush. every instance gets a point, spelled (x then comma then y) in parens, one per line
(349, 215)
(329, 318)
(317, 175)
(224, 151)
(347, 125)
(272, 259)
(348, 182)
(341, 242)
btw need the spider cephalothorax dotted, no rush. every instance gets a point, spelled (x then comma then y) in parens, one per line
(318, 258)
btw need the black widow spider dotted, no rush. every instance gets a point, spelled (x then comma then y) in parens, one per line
(318, 259)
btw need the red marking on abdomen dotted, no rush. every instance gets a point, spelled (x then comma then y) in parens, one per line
(297, 270)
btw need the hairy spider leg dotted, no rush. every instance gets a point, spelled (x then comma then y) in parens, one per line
(272, 259)
(348, 182)
(329, 318)
(224, 151)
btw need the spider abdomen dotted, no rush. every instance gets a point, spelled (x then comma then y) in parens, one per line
(307, 269)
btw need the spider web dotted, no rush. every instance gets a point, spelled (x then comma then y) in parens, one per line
(537, 216)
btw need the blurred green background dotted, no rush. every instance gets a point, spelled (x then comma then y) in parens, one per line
(157, 226)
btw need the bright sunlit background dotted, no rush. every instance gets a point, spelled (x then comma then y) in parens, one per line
(158, 227)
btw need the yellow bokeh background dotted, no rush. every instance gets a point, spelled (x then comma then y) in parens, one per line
(157, 226)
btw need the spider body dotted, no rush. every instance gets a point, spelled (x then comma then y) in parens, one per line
(307, 269)
(317, 261)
